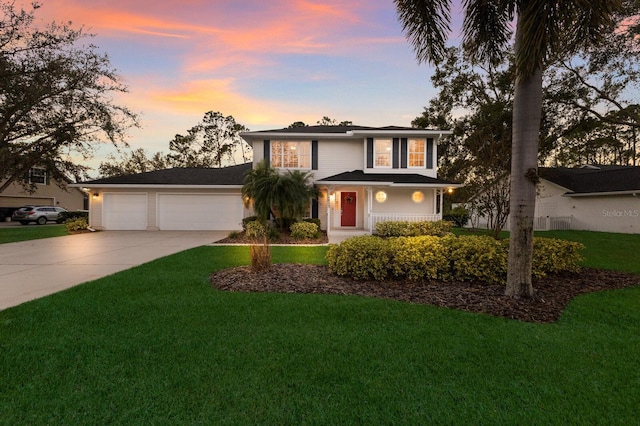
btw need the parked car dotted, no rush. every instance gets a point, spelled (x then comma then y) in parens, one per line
(39, 215)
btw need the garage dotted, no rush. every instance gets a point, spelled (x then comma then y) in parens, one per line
(210, 212)
(125, 211)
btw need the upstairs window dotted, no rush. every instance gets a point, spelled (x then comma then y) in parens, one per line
(382, 153)
(417, 152)
(291, 155)
(37, 175)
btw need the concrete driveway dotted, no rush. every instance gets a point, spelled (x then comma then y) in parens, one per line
(36, 268)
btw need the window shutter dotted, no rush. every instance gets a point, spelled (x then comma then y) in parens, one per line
(403, 153)
(370, 153)
(395, 160)
(430, 153)
(267, 153)
(314, 156)
(314, 208)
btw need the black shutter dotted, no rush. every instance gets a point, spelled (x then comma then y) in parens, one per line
(430, 153)
(314, 157)
(370, 153)
(395, 153)
(267, 153)
(314, 208)
(403, 153)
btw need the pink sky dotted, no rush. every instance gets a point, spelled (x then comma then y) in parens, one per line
(267, 63)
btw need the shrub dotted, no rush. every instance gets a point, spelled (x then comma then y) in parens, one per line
(420, 258)
(360, 258)
(465, 258)
(78, 224)
(553, 255)
(304, 231)
(256, 230)
(246, 220)
(412, 229)
(478, 258)
(313, 220)
(65, 216)
(459, 216)
(234, 234)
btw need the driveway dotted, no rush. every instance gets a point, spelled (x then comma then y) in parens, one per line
(36, 268)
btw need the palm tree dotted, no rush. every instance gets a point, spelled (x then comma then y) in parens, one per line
(545, 29)
(285, 196)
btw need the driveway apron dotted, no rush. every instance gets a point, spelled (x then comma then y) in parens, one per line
(36, 268)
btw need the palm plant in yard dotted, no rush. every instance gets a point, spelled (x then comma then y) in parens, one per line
(544, 30)
(285, 196)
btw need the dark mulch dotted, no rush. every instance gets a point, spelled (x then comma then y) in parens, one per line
(553, 292)
(284, 238)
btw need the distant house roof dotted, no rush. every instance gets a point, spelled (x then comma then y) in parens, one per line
(594, 179)
(183, 177)
(392, 179)
(350, 131)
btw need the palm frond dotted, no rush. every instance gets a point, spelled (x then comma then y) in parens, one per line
(426, 25)
(486, 29)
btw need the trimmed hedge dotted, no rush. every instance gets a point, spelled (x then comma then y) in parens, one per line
(65, 216)
(78, 224)
(412, 229)
(464, 258)
(304, 230)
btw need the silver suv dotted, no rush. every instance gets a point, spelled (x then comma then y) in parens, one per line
(39, 215)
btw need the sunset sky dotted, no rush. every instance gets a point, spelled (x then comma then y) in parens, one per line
(267, 63)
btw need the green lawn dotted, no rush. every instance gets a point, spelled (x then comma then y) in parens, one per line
(30, 232)
(157, 345)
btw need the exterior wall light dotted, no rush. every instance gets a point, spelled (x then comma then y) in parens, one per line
(417, 197)
(381, 196)
(96, 195)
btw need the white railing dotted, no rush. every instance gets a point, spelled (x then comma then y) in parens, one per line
(385, 217)
(548, 223)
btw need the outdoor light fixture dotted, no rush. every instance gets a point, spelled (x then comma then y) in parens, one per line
(417, 197)
(450, 190)
(96, 195)
(381, 196)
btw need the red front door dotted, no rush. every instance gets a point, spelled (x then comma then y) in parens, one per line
(348, 203)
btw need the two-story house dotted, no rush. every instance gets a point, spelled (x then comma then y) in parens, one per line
(364, 175)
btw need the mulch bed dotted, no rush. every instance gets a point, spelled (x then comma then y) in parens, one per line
(284, 238)
(553, 292)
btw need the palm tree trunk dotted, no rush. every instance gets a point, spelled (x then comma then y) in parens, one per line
(527, 111)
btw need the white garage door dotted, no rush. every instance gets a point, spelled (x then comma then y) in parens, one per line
(125, 212)
(199, 212)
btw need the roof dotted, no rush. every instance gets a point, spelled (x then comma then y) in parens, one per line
(594, 179)
(350, 131)
(225, 176)
(395, 179)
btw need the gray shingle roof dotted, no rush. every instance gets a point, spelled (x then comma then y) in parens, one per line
(332, 129)
(590, 180)
(233, 175)
(396, 178)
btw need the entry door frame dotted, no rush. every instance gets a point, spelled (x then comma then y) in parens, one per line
(349, 207)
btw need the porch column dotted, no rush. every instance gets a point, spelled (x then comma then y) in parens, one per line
(435, 201)
(369, 208)
(329, 191)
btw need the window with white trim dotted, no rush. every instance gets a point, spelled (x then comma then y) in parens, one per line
(291, 155)
(417, 152)
(382, 153)
(37, 175)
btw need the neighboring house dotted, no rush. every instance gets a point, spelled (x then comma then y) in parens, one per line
(47, 193)
(594, 198)
(364, 175)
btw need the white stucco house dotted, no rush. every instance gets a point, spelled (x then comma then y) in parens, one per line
(364, 175)
(593, 198)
